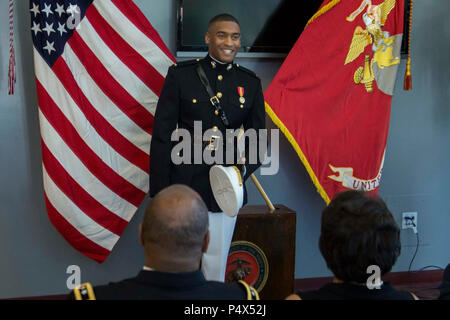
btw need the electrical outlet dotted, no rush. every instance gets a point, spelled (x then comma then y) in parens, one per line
(409, 220)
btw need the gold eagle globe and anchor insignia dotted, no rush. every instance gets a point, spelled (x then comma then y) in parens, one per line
(246, 261)
(382, 43)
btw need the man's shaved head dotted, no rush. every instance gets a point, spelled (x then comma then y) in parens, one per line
(176, 220)
(222, 17)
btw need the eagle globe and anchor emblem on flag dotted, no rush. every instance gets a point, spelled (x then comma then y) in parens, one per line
(381, 68)
(247, 262)
(383, 46)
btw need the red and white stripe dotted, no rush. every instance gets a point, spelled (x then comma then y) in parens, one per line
(96, 107)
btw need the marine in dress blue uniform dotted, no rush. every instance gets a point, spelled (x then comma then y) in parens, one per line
(183, 101)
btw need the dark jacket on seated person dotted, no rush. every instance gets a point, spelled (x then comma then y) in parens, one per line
(348, 291)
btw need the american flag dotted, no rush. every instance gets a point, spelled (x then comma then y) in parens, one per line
(100, 67)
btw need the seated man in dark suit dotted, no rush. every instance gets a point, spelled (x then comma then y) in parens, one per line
(175, 235)
(358, 236)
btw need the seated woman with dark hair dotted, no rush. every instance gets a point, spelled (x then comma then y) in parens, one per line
(359, 241)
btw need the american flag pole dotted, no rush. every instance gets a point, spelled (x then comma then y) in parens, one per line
(12, 58)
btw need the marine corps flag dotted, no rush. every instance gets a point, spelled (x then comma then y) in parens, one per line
(332, 95)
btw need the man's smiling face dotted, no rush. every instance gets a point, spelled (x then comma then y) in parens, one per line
(224, 40)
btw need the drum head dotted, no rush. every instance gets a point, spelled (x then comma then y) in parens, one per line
(227, 188)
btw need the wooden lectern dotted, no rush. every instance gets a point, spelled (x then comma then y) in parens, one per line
(262, 252)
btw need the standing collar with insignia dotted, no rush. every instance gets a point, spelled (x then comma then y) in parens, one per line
(216, 64)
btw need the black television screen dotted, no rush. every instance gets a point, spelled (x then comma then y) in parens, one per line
(268, 26)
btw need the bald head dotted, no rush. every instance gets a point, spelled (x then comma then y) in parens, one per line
(176, 220)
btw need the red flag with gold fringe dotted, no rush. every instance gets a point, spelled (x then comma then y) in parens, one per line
(332, 95)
